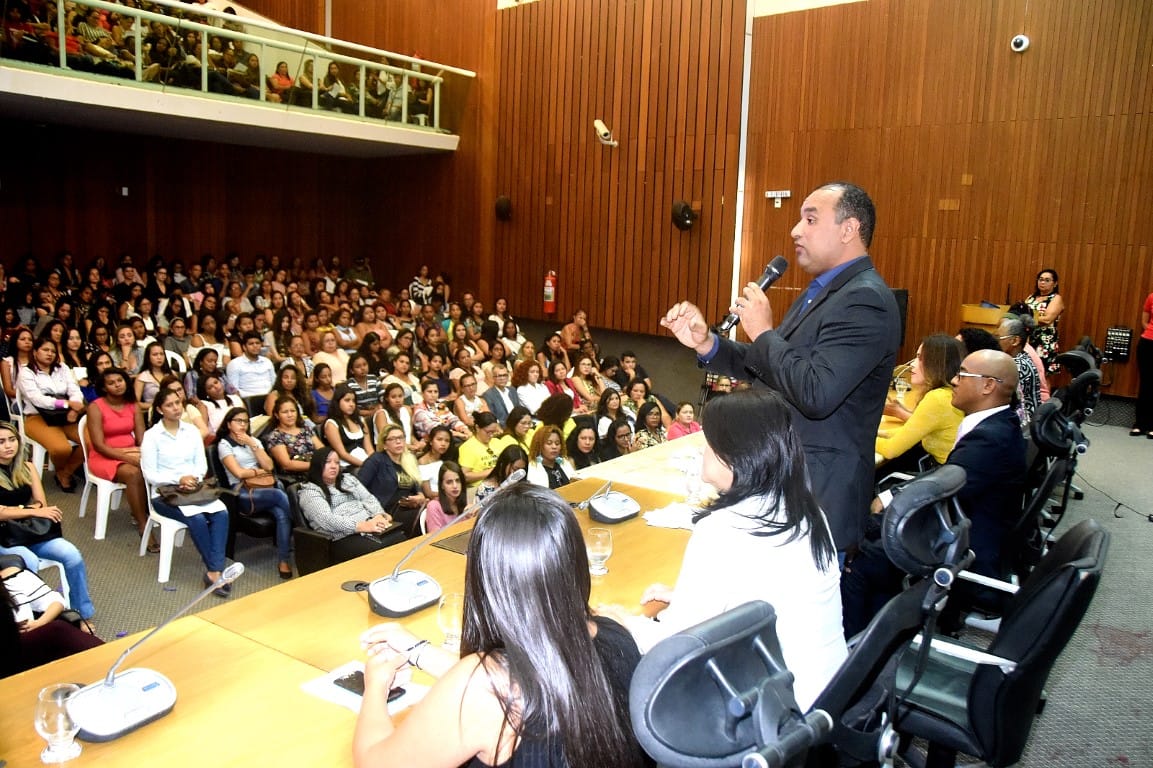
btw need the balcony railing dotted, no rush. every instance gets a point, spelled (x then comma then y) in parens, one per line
(193, 48)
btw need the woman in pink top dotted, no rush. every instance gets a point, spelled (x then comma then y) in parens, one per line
(115, 428)
(449, 503)
(685, 423)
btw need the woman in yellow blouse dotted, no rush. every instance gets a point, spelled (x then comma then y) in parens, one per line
(933, 421)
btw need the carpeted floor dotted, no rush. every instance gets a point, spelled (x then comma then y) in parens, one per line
(1099, 704)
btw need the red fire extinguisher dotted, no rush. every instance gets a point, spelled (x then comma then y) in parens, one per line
(550, 281)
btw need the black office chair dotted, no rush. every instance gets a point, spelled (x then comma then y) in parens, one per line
(255, 404)
(926, 535)
(718, 695)
(312, 549)
(983, 703)
(258, 525)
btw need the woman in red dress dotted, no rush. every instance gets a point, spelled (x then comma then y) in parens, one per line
(115, 426)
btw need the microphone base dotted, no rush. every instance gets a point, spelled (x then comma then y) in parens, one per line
(409, 592)
(136, 698)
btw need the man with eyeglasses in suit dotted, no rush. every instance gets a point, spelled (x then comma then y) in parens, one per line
(991, 450)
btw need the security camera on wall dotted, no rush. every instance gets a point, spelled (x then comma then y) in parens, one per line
(604, 135)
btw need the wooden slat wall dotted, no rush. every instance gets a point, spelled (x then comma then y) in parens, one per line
(986, 166)
(665, 77)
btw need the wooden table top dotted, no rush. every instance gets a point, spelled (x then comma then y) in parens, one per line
(237, 703)
(238, 667)
(312, 619)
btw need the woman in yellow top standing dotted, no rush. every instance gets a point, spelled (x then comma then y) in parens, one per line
(933, 421)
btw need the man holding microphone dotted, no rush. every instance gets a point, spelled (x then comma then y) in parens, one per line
(831, 356)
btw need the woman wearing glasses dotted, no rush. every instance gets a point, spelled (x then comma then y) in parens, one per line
(478, 454)
(244, 460)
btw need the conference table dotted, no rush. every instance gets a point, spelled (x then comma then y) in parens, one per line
(238, 667)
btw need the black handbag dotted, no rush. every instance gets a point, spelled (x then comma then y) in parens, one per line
(29, 530)
(205, 492)
(54, 417)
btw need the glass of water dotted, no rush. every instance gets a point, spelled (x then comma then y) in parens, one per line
(450, 616)
(599, 545)
(902, 386)
(55, 725)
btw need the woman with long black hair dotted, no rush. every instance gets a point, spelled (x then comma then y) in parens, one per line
(540, 679)
(764, 538)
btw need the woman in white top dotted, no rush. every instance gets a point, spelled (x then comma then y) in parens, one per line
(333, 356)
(403, 377)
(213, 401)
(764, 538)
(52, 407)
(530, 390)
(208, 335)
(172, 452)
(394, 411)
(439, 442)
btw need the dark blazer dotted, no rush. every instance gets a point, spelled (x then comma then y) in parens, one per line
(496, 402)
(993, 457)
(833, 364)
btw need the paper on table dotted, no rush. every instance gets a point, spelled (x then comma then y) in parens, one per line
(675, 515)
(325, 688)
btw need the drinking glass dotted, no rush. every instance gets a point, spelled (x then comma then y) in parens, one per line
(55, 725)
(599, 545)
(902, 387)
(450, 616)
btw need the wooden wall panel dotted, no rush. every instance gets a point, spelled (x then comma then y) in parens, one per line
(985, 165)
(658, 74)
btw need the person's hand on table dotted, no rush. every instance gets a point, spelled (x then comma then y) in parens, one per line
(375, 524)
(655, 599)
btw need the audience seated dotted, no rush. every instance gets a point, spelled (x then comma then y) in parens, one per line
(115, 428)
(336, 504)
(172, 453)
(991, 450)
(22, 496)
(548, 466)
(393, 477)
(33, 630)
(291, 442)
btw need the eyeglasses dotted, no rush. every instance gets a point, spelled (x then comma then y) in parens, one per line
(1008, 336)
(393, 438)
(968, 375)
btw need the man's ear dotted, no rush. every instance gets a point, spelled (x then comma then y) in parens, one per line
(850, 227)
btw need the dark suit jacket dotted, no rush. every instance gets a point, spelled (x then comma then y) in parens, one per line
(833, 364)
(993, 457)
(496, 403)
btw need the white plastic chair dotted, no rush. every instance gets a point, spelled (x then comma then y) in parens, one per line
(171, 536)
(108, 492)
(45, 564)
(39, 452)
(176, 362)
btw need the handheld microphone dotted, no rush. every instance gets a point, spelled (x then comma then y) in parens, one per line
(119, 704)
(405, 592)
(773, 271)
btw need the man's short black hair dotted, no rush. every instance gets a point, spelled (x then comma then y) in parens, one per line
(855, 203)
